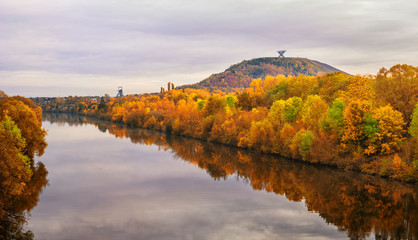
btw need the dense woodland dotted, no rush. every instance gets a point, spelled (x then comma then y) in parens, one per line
(21, 180)
(365, 123)
(370, 204)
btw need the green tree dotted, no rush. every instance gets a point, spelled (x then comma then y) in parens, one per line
(413, 128)
(334, 121)
(230, 101)
(278, 92)
(292, 109)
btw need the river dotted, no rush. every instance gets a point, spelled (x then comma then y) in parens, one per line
(107, 181)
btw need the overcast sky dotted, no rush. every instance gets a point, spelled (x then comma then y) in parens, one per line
(90, 47)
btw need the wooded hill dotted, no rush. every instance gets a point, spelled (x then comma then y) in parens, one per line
(240, 75)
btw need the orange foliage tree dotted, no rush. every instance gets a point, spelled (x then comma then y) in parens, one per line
(21, 138)
(398, 87)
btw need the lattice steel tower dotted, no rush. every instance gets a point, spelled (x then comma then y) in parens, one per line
(281, 52)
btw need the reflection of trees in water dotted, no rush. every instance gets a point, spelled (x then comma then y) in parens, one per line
(355, 203)
(12, 223)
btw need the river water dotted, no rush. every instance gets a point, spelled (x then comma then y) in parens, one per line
(107, 181)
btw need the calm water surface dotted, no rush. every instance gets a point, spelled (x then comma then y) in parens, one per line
(111, 182)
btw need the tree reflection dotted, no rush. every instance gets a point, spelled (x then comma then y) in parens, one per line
(13, 221)
(358, 204)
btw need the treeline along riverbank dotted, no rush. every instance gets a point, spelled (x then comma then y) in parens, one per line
(365, 123)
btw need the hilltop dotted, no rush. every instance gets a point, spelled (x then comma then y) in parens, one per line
(240, 75)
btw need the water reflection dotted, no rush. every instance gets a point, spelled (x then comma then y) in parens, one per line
(13, 222)
(357, 204)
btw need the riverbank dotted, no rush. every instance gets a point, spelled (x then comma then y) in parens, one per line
(350, 122)
(339, 166)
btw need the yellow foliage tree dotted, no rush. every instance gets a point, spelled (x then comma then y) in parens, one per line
(389, 136)
(314, 111)
(359, 88)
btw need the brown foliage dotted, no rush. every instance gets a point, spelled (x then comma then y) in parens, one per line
(324, 148)
(398, 87)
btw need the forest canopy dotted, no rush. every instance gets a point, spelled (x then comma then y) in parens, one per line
(366, 123)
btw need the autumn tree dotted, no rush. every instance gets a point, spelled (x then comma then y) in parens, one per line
(260, 136)
(276, 113)
(15, 168)
(29, 121)
(301, 144)
(230, 101)
(301, 86)
(246, 100)
(292, 109)
(413, 128)
(334, 121)
(314, 111)
(278, 92)
(389, 134)
(358, 88)
(214, 105)
(102, 105)
(398, 87)
(354, 116)
(21, 138)
(285, 111)
(331, 84)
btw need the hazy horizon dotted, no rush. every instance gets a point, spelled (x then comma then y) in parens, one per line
(62, 48)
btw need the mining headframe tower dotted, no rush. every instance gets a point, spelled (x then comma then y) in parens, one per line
(120, 92)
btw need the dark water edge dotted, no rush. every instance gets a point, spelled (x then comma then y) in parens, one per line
(12, 224)
(362, 206)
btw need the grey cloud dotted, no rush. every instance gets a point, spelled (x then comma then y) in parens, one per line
(159, 39)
